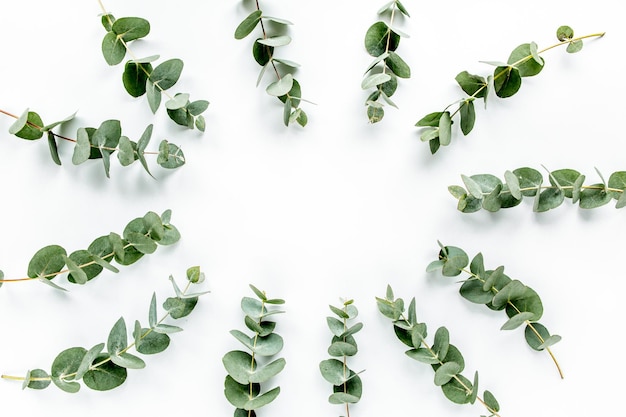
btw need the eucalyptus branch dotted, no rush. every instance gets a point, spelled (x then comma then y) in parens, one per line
(141, 78)
(497, 291)
(286, 88)
(101, 143)
(381, 42)
(347, 385)
(488, 192)
(103, 371)
(141, 236)
(445, 359)
(242, 386)
(506, 80)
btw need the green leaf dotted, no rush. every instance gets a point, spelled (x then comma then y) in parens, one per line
(42, 379)
(457, 392)
(262, 399)
(180, 307)
(511, 292)
(54, 151)
(445, 129)
(348, 392)
(591, 198)
(342, 349)
(512, 181)
(473, 85)
(49, 127)
(455, 260)
(491, 401)
(397, 65)
(574, 46)
(126, 152)
(548, 199)
(66, 364)
(517, 320)
(446, 372)
(78, 275)
(113, 49)
(536, 334)
(179, 101)
(248, 24)
(106, 376)
(474, 394)
(280, 87)
(82, 150)
(506, 81)
(468, 116)
(166, 74)
(374, 79)
(141, 242)
(422, 355)
(336, 326)
(402, 8)
(131, 28)
(442, 342)
(27, 126)
(135, 77)
(107, 20)
(552, 340)
(151, 342)
(379, 39)
(239, 365)
(430, 120)
(197, 107)
(333, 371)
(154, 95)
(47, 262)
(170, 155)
(83, 259)
(268, 345)
(276, 41)
(564, 33)
(565, 179)
(472, 187)
(88, 360)
(524, 60)
(268, 371)
(529, 180)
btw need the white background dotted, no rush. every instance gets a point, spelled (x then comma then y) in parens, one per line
(340, 208)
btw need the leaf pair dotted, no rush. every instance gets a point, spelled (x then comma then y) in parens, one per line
(141, 78)
(497, 291)
(141, 236)
(445, 358)
(505, 81)
(347, 385)
(488, 192)
(242, 386)
(381, 42)
(104, 366)
(286, 88)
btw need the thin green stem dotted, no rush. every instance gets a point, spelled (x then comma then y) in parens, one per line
(527, 322)
(345, 362)
(566, 187)
(521, 61)
(267, 48)
(70, 376)
(388, 43)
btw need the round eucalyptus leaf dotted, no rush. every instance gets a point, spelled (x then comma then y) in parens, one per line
(564, 33)
(456, 391)
(180, 307)
(529, 180)
(378, 37)
(294, 94)
(170, 155)
(131, 28)
(506, 81)
(263, 374)
(38, 379)
(473, 85)
(31, 129)
(472, 290)
(522, 59)
(397, 65)
(65, 365)
(574, 46)
(446, 372)
(248, 24)
(113, 49)
(152, 342)
(375, 114)
(268, 345)
(47, 262)
(565, 179)
(167, 73)
(238, 394)
(342, 349)
(536, 334)
(455, 259)
(135, 76)
(595, 197)
(262, 399)
(453, 355)
(549, 199)
(106, 376)
(239, 365)
(333, 371)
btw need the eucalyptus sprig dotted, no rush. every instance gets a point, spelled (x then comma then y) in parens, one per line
(103, 370)
(246, 373)
(100, 143)
(381, 42)
(497, 291)
(445, 358)
(347, 385)
(141, 236)
(286, 88)
(488, 192)
(140, 77)
(506, 80)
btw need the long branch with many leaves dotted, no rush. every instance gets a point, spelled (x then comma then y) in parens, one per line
(524, 61)
(105, 370)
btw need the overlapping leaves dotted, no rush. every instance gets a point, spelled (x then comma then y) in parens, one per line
(140, 237)
(381, 41)
(498, 292)
(100, 143)
(140, 77)
(445, 358)
(105, 366)
(248, 369)
(505, 81)
(286, 88)
(347, 385)
(488, 192)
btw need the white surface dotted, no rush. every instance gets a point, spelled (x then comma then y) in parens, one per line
(338, 209)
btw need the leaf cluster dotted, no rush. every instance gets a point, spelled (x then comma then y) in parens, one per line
(141, 77)
(286, 88)
(505, 81)
(347, 385)
(246, 373)
(381, 42)
(105, 366)
(98, 143)
(141, 236)
(498, 292)
(488, 192)
(445, 358)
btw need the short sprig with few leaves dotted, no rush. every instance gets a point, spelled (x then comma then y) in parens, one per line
(103, 370)
(445, 358)
(100, 143)
(286, 88)
(141, 236)
(488, 192)
(381, 42)
(506, 80)
(247, 371)
(497, 291)
(347, 385)
(140, 77)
